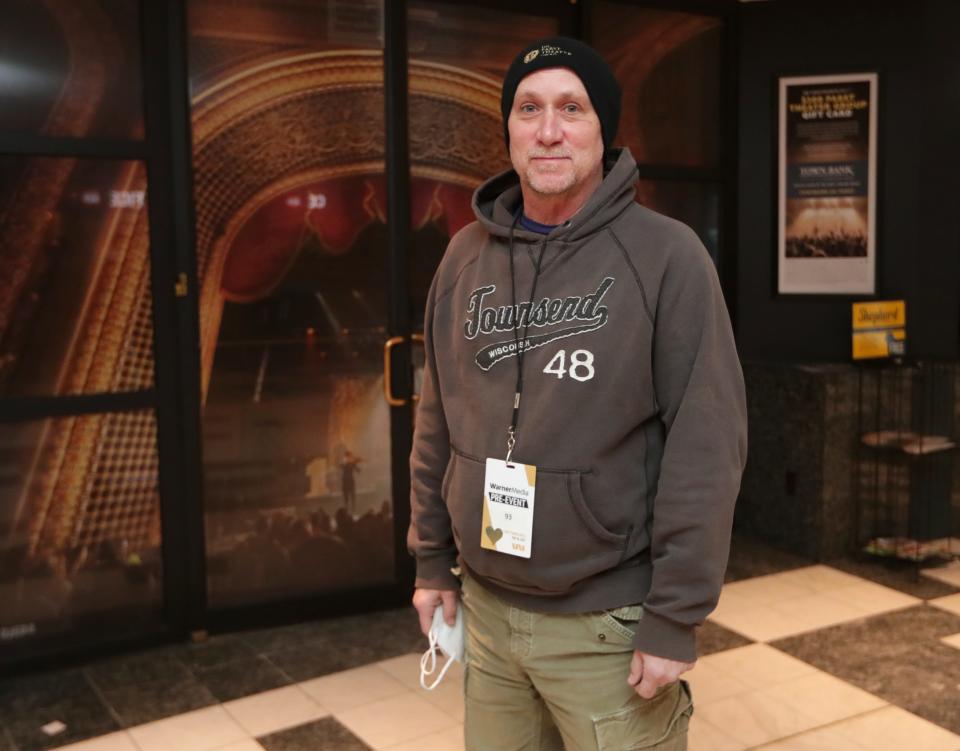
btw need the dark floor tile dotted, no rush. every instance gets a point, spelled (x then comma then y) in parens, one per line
(216, 652)
(399, 630)
(381, 635)
(235, 680)
(326, 734)
(329, 646)
(904, 576)
(404, 626)
(896, 656)
(265, 640)
(314, 660)
(155, 700)
(715, 638)
(84, 715)
(156, 665)
(149, 685)
(750, 557)
(27, 693)
(389, 632)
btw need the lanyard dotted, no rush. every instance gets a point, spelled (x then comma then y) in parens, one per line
(512, 430)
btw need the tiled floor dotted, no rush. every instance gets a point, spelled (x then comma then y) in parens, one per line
(797, 657)
(949, 574)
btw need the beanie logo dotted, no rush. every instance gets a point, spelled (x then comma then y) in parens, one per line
(549, 49)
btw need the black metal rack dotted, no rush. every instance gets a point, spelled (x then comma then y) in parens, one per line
(905, 476)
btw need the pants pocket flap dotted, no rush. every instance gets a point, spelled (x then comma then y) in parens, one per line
(646, 725)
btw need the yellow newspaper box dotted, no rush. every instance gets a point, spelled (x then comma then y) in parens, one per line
(879, 329)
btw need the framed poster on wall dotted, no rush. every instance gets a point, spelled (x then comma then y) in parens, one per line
(827, 179)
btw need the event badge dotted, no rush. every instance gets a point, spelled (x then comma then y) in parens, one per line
(508, 490)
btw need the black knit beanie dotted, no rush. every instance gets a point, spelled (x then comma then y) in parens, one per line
(561, 52)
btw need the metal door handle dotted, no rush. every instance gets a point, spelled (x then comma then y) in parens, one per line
(392, 342)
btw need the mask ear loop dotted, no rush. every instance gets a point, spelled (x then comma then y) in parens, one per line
(428, 663)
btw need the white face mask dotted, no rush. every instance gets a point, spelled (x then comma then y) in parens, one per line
(449, 640)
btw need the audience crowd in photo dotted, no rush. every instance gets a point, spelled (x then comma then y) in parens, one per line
(274, 554)
(830, 245)
(42, 587)
(309, 552)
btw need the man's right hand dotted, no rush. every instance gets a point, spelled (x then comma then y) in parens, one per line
(427, 600)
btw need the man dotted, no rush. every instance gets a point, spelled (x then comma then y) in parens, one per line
(349, 466)
(580, 436)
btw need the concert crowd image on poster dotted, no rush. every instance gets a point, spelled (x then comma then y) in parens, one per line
(827, 184)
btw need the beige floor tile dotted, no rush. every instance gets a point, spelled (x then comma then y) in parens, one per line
(113, 742)
(895, 729)
(950, 603)
(756, 622)
(764, 590)
(248, 745)
(270, 711)
(202, 730)
(952, 641)
(820, 578)
(710, 684)
(406, 669)
(450, 739)
(702, 736)
(395, 720)
(821, 739)
(756, 718)
(871, 598)
(731, 605)
(731, 600)
(772, 607)
(448, 696)
(758, 665)
(353, 688)
(949, 574)
(824, 698)
(815, 611)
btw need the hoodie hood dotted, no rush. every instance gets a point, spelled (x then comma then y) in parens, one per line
(495, 202)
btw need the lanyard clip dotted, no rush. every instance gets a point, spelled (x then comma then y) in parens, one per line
(511, 431)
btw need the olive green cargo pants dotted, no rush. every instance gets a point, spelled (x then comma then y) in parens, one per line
(546, 682)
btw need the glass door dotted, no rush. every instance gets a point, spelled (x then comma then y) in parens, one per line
(291, 241)
(82, 545)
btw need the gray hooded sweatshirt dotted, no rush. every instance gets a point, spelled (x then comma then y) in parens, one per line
(638, 430)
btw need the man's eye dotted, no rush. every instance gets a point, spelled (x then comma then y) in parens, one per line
(572, 108)
(527, 108)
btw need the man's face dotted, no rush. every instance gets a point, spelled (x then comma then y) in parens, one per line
(556, 144)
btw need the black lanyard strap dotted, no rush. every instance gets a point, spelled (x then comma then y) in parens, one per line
(512, 430)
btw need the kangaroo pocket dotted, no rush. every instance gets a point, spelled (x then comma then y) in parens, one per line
(569, 543)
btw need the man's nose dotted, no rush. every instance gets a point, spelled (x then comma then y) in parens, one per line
(550, 130)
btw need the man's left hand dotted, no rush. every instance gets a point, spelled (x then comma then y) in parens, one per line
(648, 673)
